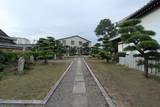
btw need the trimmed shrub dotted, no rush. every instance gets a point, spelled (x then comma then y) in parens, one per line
(12, 58)
(46, 55)
(1, 67)
(1, 75)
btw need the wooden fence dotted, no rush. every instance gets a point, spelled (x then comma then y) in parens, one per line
(131, 62)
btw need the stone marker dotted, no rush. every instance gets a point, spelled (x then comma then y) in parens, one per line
(32, 59)
(21, 62)
(55, 56)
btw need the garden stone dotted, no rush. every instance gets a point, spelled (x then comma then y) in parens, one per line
(32, 59)
(21, 62)
(55, 56)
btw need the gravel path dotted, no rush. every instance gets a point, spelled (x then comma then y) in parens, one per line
(77, 89)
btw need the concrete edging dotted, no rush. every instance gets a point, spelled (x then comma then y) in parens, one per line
(107, 97)
(44, 101)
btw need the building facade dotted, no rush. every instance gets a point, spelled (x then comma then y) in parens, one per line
(74, 41)
(8, 43)
(76, 44)
(149, 15)
(18, 40)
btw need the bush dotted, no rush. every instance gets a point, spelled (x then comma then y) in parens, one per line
(95, 55)
(9, 57)
(121, 54)
(46, 55)
(12, 57)
(36, 55)
(104, 55)
(2, 58)
(1, 75)
(28, 63)
(1, 67)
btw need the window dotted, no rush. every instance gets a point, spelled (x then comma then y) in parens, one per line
(72, 42)
(80, 42)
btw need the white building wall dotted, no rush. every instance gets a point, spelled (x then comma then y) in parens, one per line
(120, 47)
(22, 41)
(151, 22)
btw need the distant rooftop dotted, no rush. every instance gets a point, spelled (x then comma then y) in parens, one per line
(5, 36)
(2, 33)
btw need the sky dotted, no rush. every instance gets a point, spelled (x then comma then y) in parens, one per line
(33, 19)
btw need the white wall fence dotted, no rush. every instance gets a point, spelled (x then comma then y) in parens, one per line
(131, 62)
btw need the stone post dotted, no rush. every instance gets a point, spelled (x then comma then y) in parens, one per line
(32, 59)
(55, 56)
(21, 62)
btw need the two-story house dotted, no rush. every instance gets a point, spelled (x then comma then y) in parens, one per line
(76, 42)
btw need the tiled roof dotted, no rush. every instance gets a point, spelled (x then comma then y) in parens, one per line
(5, 36)
(3, 33)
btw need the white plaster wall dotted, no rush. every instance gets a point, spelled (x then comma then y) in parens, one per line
(152, 22)
(76, 40)
(22, 41)
(121, 46)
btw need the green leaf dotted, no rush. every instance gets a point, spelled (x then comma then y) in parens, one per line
(130, 22)
(149, 45)
(121, 54)
(149, 32)
(130, 48)
(136, 37)
(130, 29)
(140, 62)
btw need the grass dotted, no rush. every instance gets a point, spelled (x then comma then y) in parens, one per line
(127, 87)
(35, 84)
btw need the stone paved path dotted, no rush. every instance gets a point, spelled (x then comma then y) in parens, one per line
(77, 89)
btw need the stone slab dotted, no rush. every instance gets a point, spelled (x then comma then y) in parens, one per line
(79, 88)
(79, 78)
(79, 73)
(104, 93)
(80, 100)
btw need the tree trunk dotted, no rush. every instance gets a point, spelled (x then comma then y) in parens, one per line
(107, 60)
(146, 67)
(45, 61)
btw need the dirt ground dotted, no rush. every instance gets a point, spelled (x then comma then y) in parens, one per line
(35, 84)
(127, 87)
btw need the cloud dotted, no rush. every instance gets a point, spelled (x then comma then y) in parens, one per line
(60, 18)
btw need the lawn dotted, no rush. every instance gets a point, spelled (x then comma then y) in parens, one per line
(127, 87)
(35, 84)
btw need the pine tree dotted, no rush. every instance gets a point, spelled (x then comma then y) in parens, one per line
(43, 48)
(140, 40)
(105, 30)
(95, 50)
(85, 48)
(59, 49)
